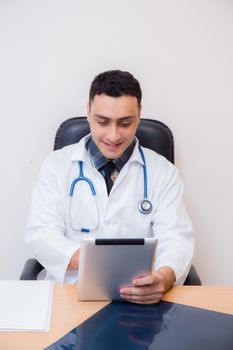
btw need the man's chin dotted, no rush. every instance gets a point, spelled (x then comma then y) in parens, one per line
(111, 155)
(112, 152)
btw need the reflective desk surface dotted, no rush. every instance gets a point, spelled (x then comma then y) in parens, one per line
(68, 312)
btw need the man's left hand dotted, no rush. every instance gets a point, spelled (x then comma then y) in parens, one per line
(149, 289)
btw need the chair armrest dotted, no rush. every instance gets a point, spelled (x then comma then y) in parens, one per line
(31, 269)
(192, 279)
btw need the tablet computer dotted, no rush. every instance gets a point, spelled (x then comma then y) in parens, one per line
(106, 265)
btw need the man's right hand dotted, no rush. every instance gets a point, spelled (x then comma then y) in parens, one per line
(74, 261)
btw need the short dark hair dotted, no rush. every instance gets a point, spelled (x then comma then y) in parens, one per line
(115, 83)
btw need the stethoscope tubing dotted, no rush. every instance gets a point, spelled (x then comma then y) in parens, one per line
(144, 171)
(81, 177)
(144, 206)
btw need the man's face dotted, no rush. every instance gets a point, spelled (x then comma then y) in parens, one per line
(113, 123)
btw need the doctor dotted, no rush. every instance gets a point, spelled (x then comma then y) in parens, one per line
(107, 185)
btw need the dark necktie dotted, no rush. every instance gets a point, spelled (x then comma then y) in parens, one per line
(108, 169)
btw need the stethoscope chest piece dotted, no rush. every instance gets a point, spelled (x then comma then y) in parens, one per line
(145, 206)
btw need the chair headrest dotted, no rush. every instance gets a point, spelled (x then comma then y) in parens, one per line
(151, 133)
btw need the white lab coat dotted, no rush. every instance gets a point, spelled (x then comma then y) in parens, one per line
(52, 238)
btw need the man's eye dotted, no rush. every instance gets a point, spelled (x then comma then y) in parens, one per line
(102, 122)
(125, 124)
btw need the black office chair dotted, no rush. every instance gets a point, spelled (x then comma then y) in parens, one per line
(151, 134)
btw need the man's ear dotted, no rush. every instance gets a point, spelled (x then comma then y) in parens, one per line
(88, 111)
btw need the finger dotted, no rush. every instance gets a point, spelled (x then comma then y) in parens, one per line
(154, 278)
(143, 291)
(143, 299)
(143, 281)
(144, 302)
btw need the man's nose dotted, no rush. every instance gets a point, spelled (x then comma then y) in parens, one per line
(113, 134)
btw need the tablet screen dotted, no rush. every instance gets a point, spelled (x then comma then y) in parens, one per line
(106, 265)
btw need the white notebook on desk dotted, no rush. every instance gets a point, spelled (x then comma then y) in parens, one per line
(25, 305)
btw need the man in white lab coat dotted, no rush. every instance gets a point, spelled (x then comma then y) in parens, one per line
(111, 159)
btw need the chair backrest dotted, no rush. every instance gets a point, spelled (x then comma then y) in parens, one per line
(151, 133)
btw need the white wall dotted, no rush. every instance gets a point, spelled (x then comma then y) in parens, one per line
(181, 51)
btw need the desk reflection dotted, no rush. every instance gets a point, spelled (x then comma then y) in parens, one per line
(163, 326)
(120, 325)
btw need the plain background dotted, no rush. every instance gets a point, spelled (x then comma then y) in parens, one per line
(182, 53)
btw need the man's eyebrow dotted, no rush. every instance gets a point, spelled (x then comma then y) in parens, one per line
(122, 118)
(127, 117)
(100, 116)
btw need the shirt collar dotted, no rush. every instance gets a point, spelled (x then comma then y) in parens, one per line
(99, 160)
(80, 152)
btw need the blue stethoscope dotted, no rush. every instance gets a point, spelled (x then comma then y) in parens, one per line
(144, 206)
